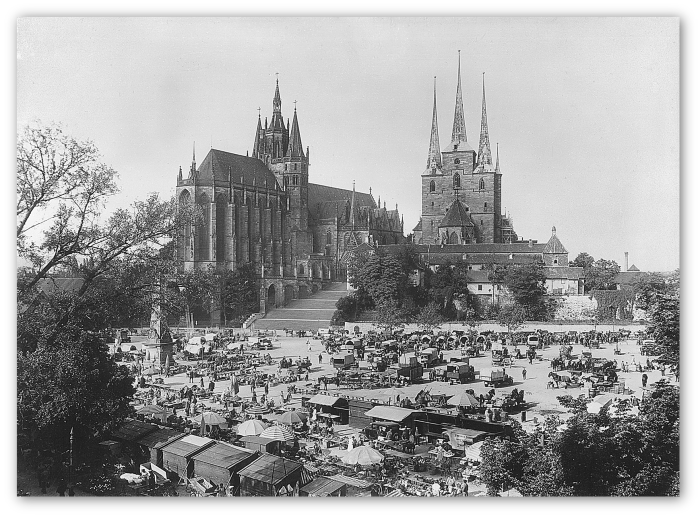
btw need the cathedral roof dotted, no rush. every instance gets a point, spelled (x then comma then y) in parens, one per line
(456, 216)
(419, 226)
(322, 193)
(216, 165)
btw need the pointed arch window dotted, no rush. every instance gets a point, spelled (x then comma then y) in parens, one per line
(329, 237)
(432, 186)
(456, 181)
(486, 207)
(481, 184)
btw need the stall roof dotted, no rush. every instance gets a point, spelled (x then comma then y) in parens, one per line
(132, 430)
(357, 483)
(223, 455)
(188, 445)
(322, 486)
(160, 437)
(257, 440)
(391, 413)
(271, 469)
(324, 400)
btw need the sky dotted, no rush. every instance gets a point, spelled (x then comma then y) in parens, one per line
(585, 110)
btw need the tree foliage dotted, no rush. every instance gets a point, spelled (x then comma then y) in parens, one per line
(512, 316)
(526, 283)
(429, 317)
(594, 454)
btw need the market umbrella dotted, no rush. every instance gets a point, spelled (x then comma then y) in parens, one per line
(211, 418)
(363, 455)
(392, 393)
(257, 410)
(149, 371)
(251, 428)
(278, 432)
(292, 417)
(473, 452)
(463, 399)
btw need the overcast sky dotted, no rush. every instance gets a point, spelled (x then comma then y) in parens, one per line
(585, 109)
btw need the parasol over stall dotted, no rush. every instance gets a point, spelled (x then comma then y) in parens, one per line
(278, 432)
(363, 455)
(464, 400)
(292, 417)
(210, 418)
(251, 428)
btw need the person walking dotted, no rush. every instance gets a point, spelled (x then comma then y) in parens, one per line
(320, 357)
(524, 373)
(61, 489)
(644, 380)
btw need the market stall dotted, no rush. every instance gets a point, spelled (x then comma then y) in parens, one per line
(177, 456)
(327, 404)
(270, 475)
(324, 486)
(131, 430)
(400, 415)
(155, 441)
(257, 443)
(220, 464)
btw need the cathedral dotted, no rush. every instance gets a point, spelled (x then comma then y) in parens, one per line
(461, 187)
(261, 209)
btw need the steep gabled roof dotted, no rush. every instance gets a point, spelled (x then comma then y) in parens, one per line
(419, 226)
(216, 164)
(456, 216)
(633, 268)
(321, 193)
(554, 245)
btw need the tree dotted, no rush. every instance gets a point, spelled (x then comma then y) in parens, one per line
(665, 324)
(526, 283)
(429, 317)
(385, 280)
(71, 382)
(511, 316)
(601, 275)
(583, 260)
(59, 179)
(647, 286)
(239, 293)
(389, 317)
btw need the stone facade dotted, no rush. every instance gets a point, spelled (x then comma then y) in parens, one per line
(262, 210)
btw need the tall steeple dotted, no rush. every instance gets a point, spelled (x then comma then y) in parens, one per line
(484, 156)
(193, 166)
(434, 156)
(295, 150)
(277, 121)
(259, 135)
(459, 129)
(352, 206)
(498, 167)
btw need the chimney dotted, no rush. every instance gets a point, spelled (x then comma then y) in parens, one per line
(529, 243)
(627, 261)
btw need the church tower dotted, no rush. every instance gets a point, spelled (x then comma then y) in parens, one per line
(459, 173)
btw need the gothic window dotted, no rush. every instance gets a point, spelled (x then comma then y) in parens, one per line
(456, 182)
(482, 222)
(556, 261)
(295, 166)
(486, 207)
(481, 184)
(432, 186)
(286, 181)
(453, 238)
(301, 269)
(295, 180)
(329, 237)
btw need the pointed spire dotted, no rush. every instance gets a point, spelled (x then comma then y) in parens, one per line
(498, 166)
(434, 156)
(258, 139)
(179, 175)
(484, 157)
(296, 150)
(459, 129)
(193, 165)
(352, 206)
(277, 101)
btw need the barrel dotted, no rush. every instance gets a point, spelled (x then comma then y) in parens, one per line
(592, 392)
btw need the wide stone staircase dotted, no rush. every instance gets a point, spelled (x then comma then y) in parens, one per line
(304, 314)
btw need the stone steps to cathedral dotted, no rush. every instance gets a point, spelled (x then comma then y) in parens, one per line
(309, 313)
